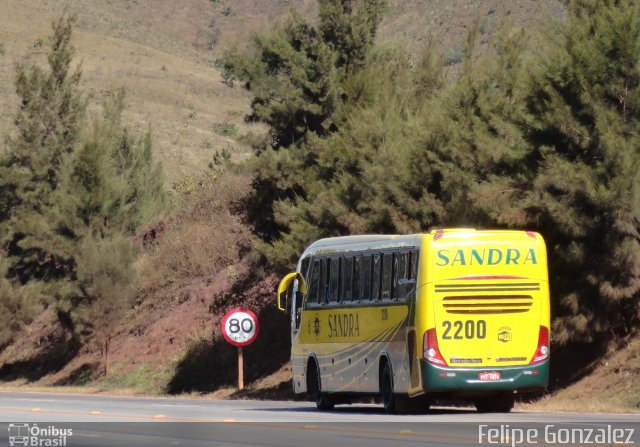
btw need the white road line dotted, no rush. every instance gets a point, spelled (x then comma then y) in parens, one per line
(179, 406)
(27, 400)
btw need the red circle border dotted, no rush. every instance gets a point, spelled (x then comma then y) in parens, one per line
(229, 339)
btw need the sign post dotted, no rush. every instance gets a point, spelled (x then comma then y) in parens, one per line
(240, 369)
(240, 328)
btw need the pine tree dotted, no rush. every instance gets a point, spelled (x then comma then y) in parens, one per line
(349, 27)
(111, 183)
(111, 187)
(106, 275)
(71, 201)
(18, 306)
(578, 180)
(297, 75)
(39, 249)
(547, 139)
(473, 138)
(357, 182)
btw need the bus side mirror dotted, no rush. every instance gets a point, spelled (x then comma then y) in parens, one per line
(285, 287)
(282, 301)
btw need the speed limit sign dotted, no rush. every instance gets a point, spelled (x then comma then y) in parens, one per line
(240, 327)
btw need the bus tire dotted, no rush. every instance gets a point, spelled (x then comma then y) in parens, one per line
(495, 404)
(386, 389)
(314, 386)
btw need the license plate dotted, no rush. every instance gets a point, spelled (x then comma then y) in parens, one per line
(489, 376)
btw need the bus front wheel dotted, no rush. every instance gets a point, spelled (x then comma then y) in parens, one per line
(314, 386)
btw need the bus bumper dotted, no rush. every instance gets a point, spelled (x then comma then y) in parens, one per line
(525, 378)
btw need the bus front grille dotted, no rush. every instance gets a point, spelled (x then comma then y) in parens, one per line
(487, 304)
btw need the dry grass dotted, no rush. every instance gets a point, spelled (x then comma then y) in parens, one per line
(173, 90)
(446, 23)
(614, 386)
(160, 52)
(561, 402)
(202, 238)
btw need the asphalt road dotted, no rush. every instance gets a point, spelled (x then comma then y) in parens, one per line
(132, 421)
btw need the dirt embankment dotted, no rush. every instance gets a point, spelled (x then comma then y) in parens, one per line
(177, 345)
(613, 385)
(170, 345)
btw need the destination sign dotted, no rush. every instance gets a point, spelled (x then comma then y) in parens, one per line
(486, 256)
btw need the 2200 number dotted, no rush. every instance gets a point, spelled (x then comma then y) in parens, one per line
(464, 329)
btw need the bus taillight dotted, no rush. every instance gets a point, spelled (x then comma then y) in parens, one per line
(430, 345)
(542, 351)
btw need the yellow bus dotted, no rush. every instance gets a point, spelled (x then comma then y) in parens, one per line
(453, 313)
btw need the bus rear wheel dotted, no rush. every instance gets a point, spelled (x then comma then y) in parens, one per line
(399, 404)
(314, 386)
(495, 404)
(386, 389)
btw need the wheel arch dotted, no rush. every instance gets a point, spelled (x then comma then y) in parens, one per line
(312, 359)
(383, 360)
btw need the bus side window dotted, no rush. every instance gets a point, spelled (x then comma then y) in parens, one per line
(333, 295)
(339, 273)
(314, 282)
(347, 279)
(357, 278)
(324, 281)
(366, 277)
(304, 267)
(387, 275)
(413, 273)
(401, 270)
(394, 278)
(300, 297)
(375, 279)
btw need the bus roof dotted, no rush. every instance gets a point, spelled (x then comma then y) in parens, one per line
(362, 242)
(381, 241)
